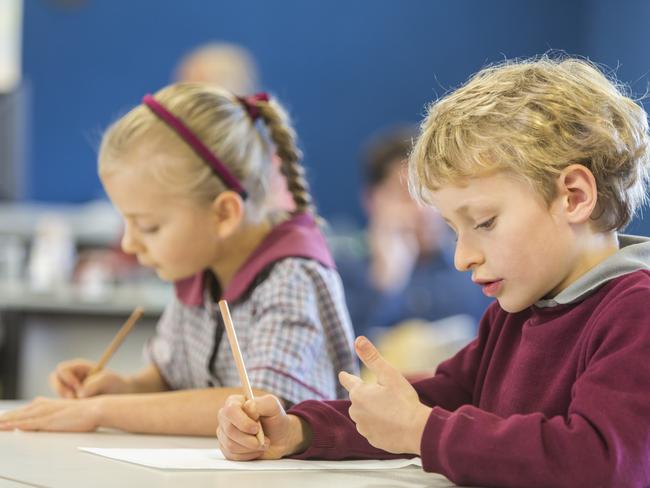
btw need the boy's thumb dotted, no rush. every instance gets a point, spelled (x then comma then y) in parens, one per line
(267, 406)
(375, 362)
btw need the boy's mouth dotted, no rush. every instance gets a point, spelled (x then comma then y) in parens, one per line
(490, 288)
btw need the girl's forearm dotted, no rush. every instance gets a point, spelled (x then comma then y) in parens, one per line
(148, 380)
(183, 412)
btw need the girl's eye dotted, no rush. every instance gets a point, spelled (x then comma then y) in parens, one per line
(487, 225)
(149, 230)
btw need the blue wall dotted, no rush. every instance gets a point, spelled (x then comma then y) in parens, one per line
(619, 38)
(345, 69)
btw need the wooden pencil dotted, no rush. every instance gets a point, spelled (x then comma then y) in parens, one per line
(117, 340)
(239, 360)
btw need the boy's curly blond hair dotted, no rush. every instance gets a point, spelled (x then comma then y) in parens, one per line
(534, 118)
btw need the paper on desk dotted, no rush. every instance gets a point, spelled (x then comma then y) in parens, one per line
(214, 459)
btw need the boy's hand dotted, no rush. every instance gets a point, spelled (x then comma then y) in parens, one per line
(238, 424)
(55, 415)
(388, 414)
(71, 380)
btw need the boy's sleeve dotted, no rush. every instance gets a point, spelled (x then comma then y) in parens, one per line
(335, 435)
(453, 383)
(604, 440)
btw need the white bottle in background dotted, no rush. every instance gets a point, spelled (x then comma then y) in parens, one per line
(52, 255)
(12, 257)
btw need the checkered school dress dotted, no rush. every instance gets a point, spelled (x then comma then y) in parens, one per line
(293, 328)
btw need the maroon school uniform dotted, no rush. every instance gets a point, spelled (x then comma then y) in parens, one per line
(555, 395)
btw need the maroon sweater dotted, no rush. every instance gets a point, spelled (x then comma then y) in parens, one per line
(545, 397)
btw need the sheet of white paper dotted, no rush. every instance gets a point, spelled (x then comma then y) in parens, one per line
(214, 459)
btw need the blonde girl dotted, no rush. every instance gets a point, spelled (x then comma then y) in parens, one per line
(189, 171)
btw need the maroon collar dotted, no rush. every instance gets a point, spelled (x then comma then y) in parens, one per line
(297, 237)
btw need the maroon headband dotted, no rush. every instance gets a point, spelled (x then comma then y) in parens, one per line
(195, 143)
(250, 104)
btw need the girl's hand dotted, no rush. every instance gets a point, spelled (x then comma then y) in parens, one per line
(71, 380)
(54, 415)
(389, 413)
(238, 423)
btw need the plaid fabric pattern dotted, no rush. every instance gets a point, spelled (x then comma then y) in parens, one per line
(293, 329)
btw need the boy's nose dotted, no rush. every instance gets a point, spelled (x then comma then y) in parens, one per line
(466, 256)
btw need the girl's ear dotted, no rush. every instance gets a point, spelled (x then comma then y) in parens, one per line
(228, 213)
(579, 193)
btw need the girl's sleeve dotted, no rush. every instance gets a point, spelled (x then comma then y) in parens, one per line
(165, 350)
(293, 351)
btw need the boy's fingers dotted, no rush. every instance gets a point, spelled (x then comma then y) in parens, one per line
(349, 381)
(235, 400)
(244, 442)
(375, 362)
(235, 451)
(268, 406)
(233, 413)
(250, 407)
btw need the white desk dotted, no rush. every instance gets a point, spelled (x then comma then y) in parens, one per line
(53, 460)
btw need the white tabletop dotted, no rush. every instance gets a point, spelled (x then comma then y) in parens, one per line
(53, 460)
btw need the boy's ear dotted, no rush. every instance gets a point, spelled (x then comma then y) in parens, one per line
(228, 212)
(578, 192)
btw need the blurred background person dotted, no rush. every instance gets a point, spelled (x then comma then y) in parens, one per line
(228, 65)
(234, 68)
(403, 267)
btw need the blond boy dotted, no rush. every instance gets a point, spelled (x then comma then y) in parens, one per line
(536, 166)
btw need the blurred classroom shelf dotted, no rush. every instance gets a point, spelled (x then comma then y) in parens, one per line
(65, 318)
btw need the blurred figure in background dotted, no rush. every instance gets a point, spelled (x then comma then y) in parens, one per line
(234, 68)
(220, 63)
(404, 270)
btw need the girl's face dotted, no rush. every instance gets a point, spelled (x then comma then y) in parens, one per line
(518, 248)
(174, 235)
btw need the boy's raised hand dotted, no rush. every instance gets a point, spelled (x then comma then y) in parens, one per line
(70, 380)
(238, 424)
(388, 414)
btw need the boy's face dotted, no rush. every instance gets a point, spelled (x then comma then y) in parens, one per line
(518, 248)
(172, 235)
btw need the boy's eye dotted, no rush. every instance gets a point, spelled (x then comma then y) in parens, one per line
(488, 224)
